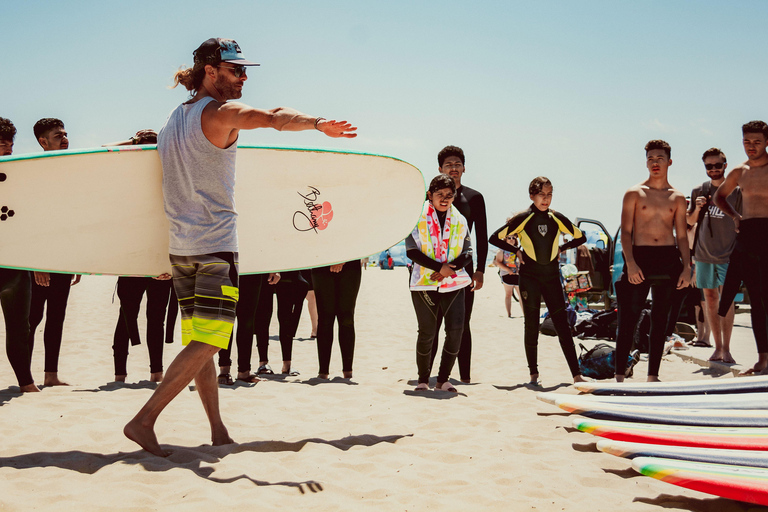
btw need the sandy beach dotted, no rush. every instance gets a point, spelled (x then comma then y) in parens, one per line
(369, 443)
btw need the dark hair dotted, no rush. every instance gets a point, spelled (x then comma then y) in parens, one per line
(43, 126)
(713, 152)
(7, 130)
(146, 137)
(450, 151)
(537, 185)
(440, 182)
(659, 144)
(755, 127)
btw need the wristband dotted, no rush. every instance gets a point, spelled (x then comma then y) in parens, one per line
(317, 120)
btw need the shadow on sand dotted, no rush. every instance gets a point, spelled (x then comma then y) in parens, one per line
(197, 460)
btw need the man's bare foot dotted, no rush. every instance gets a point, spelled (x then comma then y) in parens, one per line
(348, 375)
(653, 378)
(728, 358)
(52, 379)
(120, 378)
(757, 369)
(156, 377)
(580, 378)
(144, 437)
(29, 388)
(619, 378)
(221, 437)
(323, 376)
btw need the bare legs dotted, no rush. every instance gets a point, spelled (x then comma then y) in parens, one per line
(195, 361)
(721, 328)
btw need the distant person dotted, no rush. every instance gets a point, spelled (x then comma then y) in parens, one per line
(15, 292)
(471, 205)
(714, 242)
(130, 291)
(440, 247)
(508, 272)
(539, 228)
(51, 289)
(749, 258)
(654, 241)
(336, 288)
(197, 148)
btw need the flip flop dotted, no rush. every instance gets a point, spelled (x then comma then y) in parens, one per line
(422, 387)
(264, 370)
(449, 389)
(292, 373)
(225, 379)
(700, 343)
(250, 379)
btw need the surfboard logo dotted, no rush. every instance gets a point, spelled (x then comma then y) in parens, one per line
(317, 215)
(6, 213)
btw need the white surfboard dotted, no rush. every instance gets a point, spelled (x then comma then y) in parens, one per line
(100, 211)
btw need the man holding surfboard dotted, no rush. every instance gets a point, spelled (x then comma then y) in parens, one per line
(749, 257)
(50, 288)
(15, 290)
(197, 147)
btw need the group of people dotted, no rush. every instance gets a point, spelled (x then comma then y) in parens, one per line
(197, 148)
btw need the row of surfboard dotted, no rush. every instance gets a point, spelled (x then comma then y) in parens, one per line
(710, 436)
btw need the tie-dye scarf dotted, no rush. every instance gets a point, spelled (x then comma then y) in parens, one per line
(441, 245)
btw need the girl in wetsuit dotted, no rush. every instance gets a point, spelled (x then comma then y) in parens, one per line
(440, 248)
(539, 230)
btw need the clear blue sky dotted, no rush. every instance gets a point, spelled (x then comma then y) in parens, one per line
(569, 90)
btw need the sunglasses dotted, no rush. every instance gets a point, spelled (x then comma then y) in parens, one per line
(718, 165)
(236, 69)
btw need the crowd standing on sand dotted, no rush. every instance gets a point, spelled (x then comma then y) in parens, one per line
(197, 148)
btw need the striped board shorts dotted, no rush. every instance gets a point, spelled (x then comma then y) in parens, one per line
(206, 286)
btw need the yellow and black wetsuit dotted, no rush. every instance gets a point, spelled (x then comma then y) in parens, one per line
(539, 233)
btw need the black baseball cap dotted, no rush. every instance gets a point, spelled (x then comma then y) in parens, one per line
(216, 50)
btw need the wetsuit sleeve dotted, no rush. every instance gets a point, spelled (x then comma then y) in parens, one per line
(465, 258)
(415, 254)
(481, 231)
(498, 237)
(570, 229)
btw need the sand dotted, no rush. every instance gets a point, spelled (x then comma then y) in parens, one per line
(369, 443)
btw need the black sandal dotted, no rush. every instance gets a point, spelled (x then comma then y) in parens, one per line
(226, 379)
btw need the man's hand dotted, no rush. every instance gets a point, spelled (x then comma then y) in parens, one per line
(75, 279)
(337, 129)
(634, 274)
(42, 279)
(273, 278)
(685, 278)
(477, 281)
(163, 277)
(701, 201)
(337, 268)
(737, 221)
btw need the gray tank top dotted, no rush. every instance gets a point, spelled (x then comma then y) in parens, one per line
(198, 185)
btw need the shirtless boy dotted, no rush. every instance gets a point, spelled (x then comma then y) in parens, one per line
(749, 253)
(652, 221)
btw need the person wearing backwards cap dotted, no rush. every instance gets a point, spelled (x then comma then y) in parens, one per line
(197, 149)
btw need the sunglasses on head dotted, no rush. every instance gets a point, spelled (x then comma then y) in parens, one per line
(236, 69)
(718, 165)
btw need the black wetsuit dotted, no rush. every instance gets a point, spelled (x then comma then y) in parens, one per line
(336, 296)
(56, 296)
(661, 267)
(291, 290)
(249, 290)
(15, 292)
(539, 233)
(471, 205)
(130, 290)
(749, 263)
